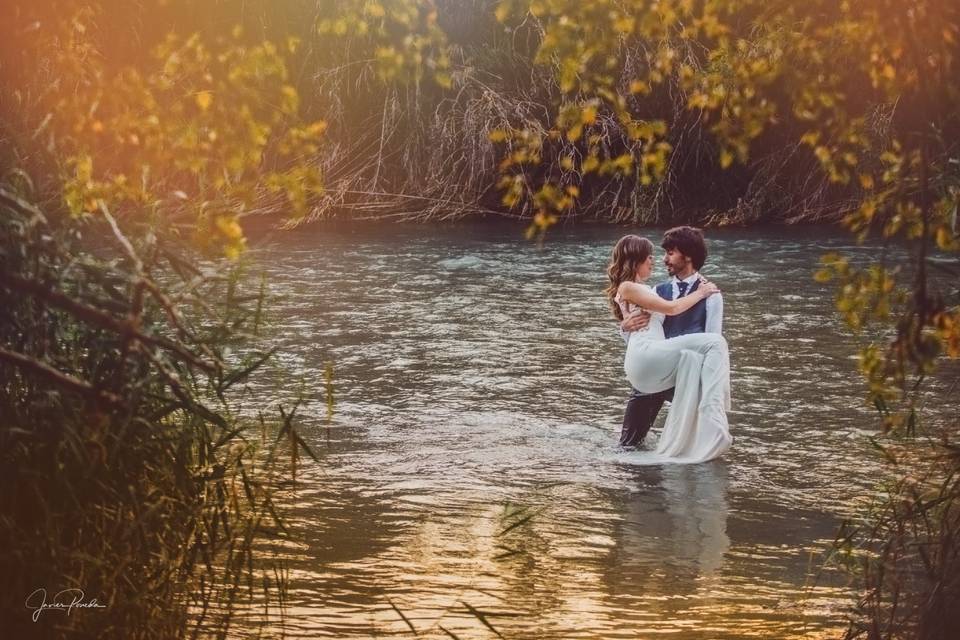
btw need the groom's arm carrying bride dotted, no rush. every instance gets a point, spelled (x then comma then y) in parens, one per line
(686, 253)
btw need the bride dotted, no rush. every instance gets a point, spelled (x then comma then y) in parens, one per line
(696, 365)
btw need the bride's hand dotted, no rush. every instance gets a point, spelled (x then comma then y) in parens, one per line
(707, 288)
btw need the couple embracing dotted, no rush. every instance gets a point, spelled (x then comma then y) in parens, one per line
(674, 347)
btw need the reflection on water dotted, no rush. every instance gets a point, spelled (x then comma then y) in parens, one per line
(473, 462)
(683, 518)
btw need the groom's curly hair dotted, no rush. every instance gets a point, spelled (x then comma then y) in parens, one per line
(688, 241)
(628, 254)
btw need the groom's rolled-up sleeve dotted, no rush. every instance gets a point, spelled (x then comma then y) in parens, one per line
(714, 314)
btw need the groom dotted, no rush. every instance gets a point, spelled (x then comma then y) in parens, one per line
(685, 254)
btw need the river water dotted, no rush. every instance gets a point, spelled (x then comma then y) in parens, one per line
(471, 464)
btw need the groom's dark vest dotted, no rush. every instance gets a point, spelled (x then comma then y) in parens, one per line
(693, 320)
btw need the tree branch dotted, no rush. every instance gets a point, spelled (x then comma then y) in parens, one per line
(44, 370)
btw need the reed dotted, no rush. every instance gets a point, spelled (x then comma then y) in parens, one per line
(128, 473)
(905, 553)
(415, 151)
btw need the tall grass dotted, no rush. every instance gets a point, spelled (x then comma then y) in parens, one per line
(906, 553)
(128, 476)
(415, 151)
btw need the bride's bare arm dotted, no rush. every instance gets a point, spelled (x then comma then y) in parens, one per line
(644, 297)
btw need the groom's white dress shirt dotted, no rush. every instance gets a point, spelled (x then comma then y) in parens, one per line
(714, 303)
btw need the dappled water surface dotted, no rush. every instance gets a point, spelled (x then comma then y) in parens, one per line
(472, 458)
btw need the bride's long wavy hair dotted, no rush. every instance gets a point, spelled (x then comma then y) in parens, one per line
(628, 254)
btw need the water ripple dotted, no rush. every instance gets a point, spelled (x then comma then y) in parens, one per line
(479, 381)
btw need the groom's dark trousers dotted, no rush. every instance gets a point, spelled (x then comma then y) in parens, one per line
(642, 408)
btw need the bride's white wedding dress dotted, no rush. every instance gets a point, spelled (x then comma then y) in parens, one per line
(697, 366)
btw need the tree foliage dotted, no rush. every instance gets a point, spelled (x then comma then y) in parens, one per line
(853, 82)
(870, 90)
(130, 474)
(200, 131)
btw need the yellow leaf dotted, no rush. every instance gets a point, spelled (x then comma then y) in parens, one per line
(811, 138)
(229, 227)
(374, 9)
(232, 251)
(588, 115)
(291, 100)
(726, 158)
(698, 101)
(944, 238)
(497, 135)
(624, 24)
(204, 99)
(622, 163)
(443, 79)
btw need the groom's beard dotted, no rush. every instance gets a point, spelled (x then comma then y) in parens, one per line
(673, 269)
